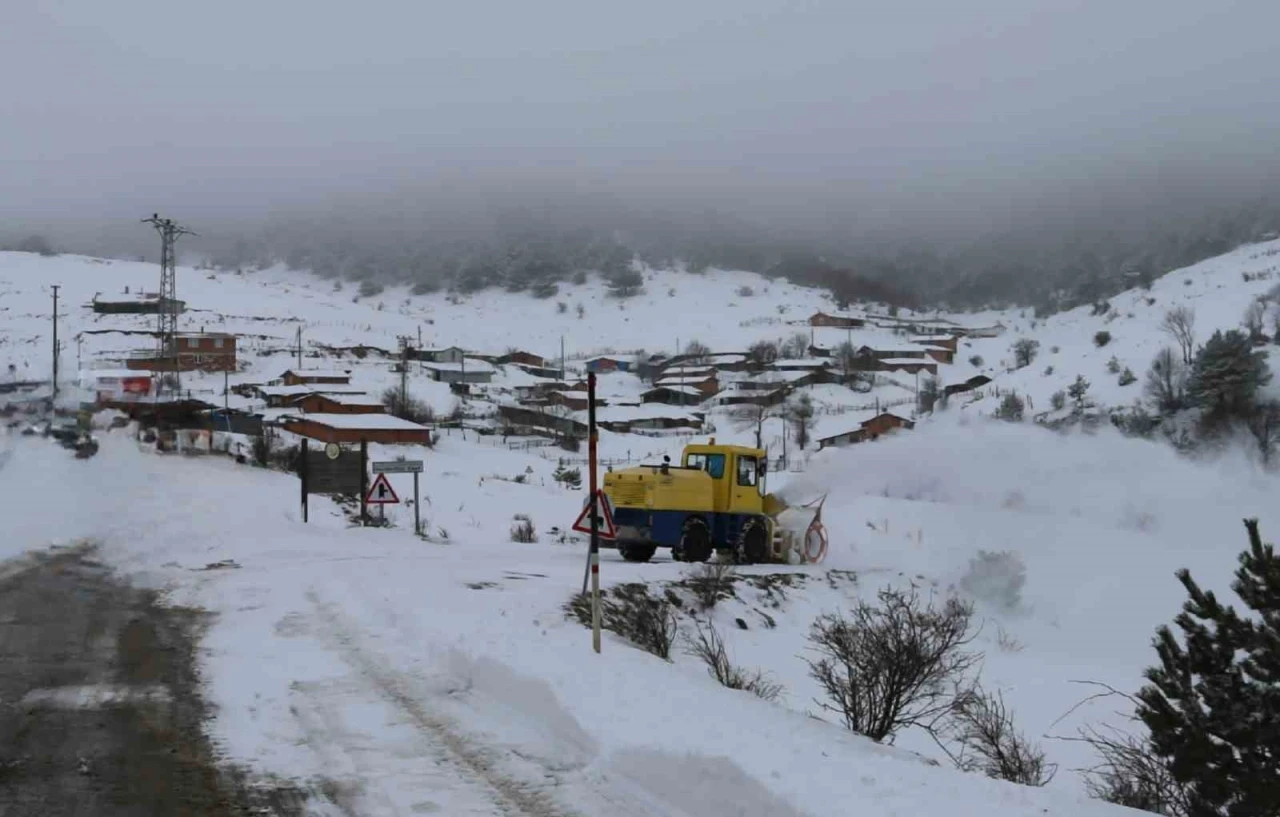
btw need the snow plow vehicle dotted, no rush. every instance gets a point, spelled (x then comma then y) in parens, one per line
(714, 501)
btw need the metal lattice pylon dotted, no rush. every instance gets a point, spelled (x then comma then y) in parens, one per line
(167, 323)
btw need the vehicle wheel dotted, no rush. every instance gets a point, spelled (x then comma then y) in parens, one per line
(637, 551)
(695, 542)
(753, 543)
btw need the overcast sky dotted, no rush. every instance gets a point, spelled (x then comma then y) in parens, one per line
(893, 110)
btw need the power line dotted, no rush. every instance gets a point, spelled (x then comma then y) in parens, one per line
(167, 325)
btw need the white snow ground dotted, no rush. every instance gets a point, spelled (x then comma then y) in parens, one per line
(443, 675)
(416, 673)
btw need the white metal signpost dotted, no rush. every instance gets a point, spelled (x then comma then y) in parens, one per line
(402, 467)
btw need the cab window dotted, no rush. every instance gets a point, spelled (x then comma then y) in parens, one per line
(713, 464)
(747, 471)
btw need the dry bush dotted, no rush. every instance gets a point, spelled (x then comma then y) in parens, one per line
(710, 582)
(708, 646)
(990, 742)
(1131, 774)
(897, 665)
(522, 529)
(648, 622)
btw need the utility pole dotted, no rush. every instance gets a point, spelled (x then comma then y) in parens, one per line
(404, 371)
(299, 347)
(56, 287)
(167, 325)
(562, 357)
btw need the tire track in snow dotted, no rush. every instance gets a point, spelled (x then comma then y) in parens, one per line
(472, 761)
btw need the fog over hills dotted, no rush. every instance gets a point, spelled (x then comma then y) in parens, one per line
(999, 153)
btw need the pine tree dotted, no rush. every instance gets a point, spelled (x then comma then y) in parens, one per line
(1226, 375)
(1078, 391)
(1213, 705)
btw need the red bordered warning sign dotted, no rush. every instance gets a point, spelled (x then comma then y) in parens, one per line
(381, 492)
(607, 530)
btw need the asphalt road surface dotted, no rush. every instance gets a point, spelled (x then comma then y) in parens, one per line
(100, 708)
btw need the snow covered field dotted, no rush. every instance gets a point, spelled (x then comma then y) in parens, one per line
(407, 676)
(414, 673)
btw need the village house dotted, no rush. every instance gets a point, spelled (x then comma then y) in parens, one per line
(939, 341)
(707, 386)
(872, 429)
(309, 377)
(522, 359)
(801, 365)
(837, 321)
(601, 365)
(977, 381)
(354, 428)
(651, 417)
(521, 418)
(448, 354)
(192, 351)
(339, 404)
(466, 371)
(284, 396)
(673, 395)
(573, 400)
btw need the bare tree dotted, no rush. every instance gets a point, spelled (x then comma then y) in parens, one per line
(753, 415)
(697, 351)
(800, 413)
(1180, 324)
(1255, 318)
(990, 742)
(795, 347)
(1024, 352)
(763, 352)
(898, 665)
(1166, 382)
(707, 645)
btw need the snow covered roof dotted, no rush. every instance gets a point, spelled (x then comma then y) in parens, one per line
(328, 374)
(690, 390)
(379, 422)
(903, 361)
(693, 380)
(285, 391)
(803, 363)
(471, 365)
(644, 411)
(352, 399)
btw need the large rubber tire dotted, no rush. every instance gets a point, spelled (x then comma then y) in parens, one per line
(753, 543)
(695, 542)
(637, 551)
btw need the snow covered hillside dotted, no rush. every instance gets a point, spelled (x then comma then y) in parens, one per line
(393, 674)
(1219, 291)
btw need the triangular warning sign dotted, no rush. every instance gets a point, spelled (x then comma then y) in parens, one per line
(381, 492)
(607, 530)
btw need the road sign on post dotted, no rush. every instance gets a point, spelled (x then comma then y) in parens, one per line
(397, 467)
(406, 467)
(603, 522)
(381, 492)
(594, 552)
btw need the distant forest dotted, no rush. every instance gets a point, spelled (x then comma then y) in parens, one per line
(545, 249)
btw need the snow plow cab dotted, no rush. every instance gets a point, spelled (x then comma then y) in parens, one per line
(713, 500)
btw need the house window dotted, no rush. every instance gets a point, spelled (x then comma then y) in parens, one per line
(217, 343)
(747, 472)
(192, 343)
